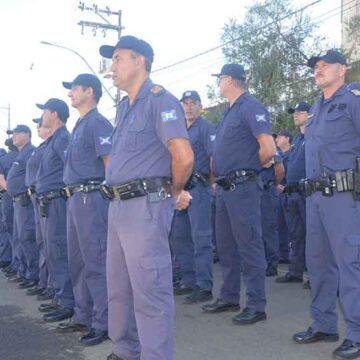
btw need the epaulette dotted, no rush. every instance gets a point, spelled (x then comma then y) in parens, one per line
(356, 92)
(157, 90)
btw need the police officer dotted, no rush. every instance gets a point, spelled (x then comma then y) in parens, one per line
(52, 209)
(7, 208)
(271, 175)
(283, 142)
(87, 210)
(191, 232)
(149, 145)
(295, 200)
(332, 152)
(242, 146)
(32, 167)
(24, 238)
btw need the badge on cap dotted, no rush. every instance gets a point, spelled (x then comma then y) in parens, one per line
(169, 115)
(260, 117)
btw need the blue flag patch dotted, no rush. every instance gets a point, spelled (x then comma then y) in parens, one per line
(168, 115)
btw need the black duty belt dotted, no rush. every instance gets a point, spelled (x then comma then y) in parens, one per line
(197, 178)
(23, 199)
(51, 195)
(292, 188)
(31, 190)
(87, 187)
(229, 182)
(157, 188)
(268, 184)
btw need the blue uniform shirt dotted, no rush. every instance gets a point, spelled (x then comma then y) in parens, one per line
(6, 161)
(332, 134)
(139, 142)
(268, 174)
(90, 140)
(15, 181)
(296, 161)
(50, 173)
(32, 165)
(202, 136)
(236, 146)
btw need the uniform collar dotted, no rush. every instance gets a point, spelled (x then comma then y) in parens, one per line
(339, 92)
(195, 122)
(145, 88)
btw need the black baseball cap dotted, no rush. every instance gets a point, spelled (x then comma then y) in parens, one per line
(286, 133)
(301, 106)
(236, 71)
(191, 94)
(87, 80)
(19, 129)
(330, 57)
(57, 105)
(129, 42)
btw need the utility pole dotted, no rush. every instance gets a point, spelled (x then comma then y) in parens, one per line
(103, 26)
(8, 118)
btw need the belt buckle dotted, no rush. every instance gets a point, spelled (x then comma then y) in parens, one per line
(116, 193)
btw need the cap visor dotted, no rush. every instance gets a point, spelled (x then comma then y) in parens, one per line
(291, 111)
(37, 121)
(9, 132)
(107, 51)
(40, 106)
(217, 75)
(313, 60)
(67, 85)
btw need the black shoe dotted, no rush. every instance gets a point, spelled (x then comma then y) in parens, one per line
(287, 278)
(4, 264)
(198, 295)
(248, 316)
(220, 306)
(112, 356)
(271, 270)
(306, 285)
(58, 315)
(10, 272)
(15, 279)
(47, 294)
(35, 290)
(347, 350)
(182, 290)
(8, 269)
(310, 336)
(27, 284)
(71, 326)
(283, 261)
(50, 307)
(94, 337)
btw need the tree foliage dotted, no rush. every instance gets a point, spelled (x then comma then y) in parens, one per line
(273, 43)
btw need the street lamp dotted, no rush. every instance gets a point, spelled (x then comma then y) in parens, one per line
(84, 60)
(8, 111)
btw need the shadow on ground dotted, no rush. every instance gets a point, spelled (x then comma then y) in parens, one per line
(22, 337)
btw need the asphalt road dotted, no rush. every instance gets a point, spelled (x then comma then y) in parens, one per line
(199, 336)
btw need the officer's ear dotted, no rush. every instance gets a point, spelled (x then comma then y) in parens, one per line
(342, 70)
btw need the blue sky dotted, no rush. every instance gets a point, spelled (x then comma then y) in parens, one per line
(31, 73)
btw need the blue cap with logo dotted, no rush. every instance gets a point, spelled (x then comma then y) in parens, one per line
(301, 106)
(129, 42)
(330, 57)
(236, 71)
(191, 94)
(87, 80)
(19, 129)
(57, 105)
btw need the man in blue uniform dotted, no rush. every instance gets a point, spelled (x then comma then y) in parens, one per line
(32, 167)
(7, 207)
(283, 142)
(332, 155)
(242, 146)
(25, 247)
(52, 208)
(295, 200)
(191, 231)
(87, 210)
(271, 175)
(149, 146)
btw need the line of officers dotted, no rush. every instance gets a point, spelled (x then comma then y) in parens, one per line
(105, 252)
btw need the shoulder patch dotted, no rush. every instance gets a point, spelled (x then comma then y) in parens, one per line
(355, 92)
(157, 90)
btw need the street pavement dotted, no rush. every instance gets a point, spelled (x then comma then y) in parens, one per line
(199, 336)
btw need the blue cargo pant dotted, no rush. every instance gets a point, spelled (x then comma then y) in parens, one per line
(139, 277)
(54, 226)
(240, 245)
(87, 216)
(283, 230)
(191, 237)
(5, 237)
(26, 247)
(269, 224)
(333, 261)
(296, 221)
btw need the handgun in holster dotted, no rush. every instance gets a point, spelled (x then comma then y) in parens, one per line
(356, 191)
(106, 192)
(43, 208)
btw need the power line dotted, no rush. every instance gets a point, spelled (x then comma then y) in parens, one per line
(233, 40)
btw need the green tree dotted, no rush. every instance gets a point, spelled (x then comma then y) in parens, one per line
(273, 43)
